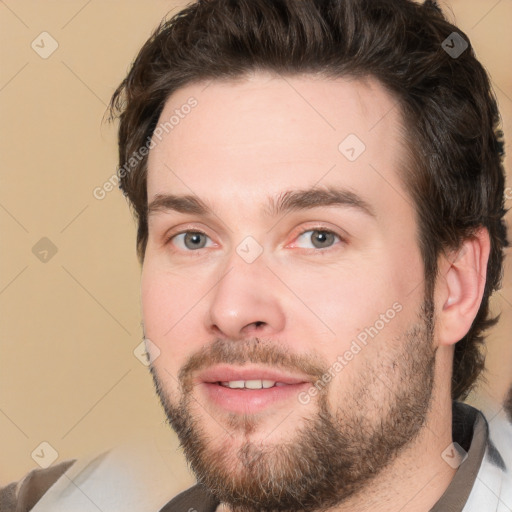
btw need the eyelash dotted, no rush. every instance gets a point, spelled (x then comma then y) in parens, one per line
(309, 250)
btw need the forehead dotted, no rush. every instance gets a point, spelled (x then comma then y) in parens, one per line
(248, 139)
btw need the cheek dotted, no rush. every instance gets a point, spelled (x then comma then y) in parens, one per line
(168, 305)
(168, 296)
(339, 301)
(365, 301)
(157, 304)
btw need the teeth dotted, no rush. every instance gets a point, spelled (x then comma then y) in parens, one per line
(253, 384)
(235, 384)
(250, 384)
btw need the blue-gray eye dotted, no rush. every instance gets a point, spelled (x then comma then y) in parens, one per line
(190, 240)
(319, 238)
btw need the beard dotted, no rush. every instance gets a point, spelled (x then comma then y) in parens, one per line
(334, 453)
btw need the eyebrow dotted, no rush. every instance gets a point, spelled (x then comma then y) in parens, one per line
(288, 201)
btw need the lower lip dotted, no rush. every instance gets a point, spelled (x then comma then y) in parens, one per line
(251, 400)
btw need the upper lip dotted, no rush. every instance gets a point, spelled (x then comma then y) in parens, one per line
(228, 373)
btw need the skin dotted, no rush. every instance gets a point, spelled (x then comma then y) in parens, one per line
(246, 141)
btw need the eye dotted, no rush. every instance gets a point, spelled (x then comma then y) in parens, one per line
(317, 239)
(190, 240)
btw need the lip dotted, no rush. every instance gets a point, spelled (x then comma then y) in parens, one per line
(225, 373)
(249, 401)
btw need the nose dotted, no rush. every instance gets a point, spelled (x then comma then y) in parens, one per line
(245, 302)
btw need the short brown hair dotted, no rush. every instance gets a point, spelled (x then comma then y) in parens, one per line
(457, 176)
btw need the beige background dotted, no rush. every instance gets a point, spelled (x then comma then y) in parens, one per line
(68, 375)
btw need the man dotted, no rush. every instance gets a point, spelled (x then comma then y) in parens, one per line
(319, 192)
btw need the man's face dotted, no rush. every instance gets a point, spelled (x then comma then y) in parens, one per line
(292, 270)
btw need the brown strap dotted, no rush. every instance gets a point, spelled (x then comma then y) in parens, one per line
(23, 495)
(196, 498)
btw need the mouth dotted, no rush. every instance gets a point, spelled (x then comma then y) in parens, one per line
(249, 389)
(251, 384)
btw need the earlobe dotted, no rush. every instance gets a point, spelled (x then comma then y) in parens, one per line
(460, 287)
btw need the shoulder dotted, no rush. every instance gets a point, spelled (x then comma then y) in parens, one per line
(21, 496)
(128, 477)
(195, 498)
(493, 485)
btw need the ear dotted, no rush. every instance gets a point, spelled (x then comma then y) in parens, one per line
(460, 287)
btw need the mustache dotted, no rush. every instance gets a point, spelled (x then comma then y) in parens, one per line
(255, 351)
